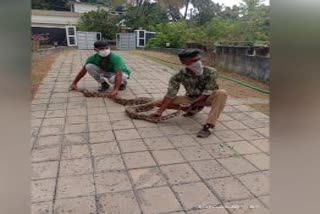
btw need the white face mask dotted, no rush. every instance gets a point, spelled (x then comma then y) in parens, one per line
(104, 53)
(196, 67)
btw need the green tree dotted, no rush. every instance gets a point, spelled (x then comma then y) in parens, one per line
(146, 16)
(100, 21)
(205, 10)
(50, 5)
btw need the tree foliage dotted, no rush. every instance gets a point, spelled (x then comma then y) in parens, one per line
(100, 21)
(146, 16)
(50, 5)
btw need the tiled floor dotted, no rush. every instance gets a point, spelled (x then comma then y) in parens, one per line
(88, 157)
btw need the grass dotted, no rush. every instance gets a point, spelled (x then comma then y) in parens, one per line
(234, 89)
(40, 68)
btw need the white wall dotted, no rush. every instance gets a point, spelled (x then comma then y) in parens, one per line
(53, 20)
(82, 8)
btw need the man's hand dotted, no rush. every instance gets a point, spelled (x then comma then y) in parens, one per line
(73, 86)
(113, 93)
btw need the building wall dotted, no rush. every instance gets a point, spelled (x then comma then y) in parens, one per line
(257, 67)
(82, 8)
(39, 20)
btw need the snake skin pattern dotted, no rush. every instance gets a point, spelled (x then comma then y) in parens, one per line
(135, 107)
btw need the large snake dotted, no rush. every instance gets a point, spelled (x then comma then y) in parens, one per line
(135, 107)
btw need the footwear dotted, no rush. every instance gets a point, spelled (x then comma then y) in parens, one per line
(195, 110)
(123, 86)
(205, 132)
(104, 86)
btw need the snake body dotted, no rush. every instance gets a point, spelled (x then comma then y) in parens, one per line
(135, 108)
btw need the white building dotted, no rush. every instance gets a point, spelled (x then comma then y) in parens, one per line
(83, 7)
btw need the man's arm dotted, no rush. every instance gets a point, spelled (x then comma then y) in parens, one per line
(79, 76)
(117, 84)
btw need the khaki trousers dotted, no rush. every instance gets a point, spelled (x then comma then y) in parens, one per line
(216, 102)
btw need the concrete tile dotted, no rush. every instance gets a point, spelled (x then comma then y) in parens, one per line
(256, 115)
(122, 202)
(107, 163)
(193, 153)
(262, 144)
(38, 114)
(75, 205)
(257, 183)
(75, 128)
(97, 110)
(164, 157)
(79, 138)
(266, 200)
(76, 112)
(209, 169)
(147, 177)
(158, 200)
(112, 182)
(51, 130)
(234, 124)
(227, 136)
(237, 165)
(219, 150)
(135, 145)
(150, 132)
(59, 121)
(36, 122)
(95, 118)
(49, 140)
(261, 160)
(182, 141)
(127, 134)
(42, 190)
(75, 151)
(195, 194)
(179, 174)
(256, 123)
(229, 189)
(138, 159)
(243, 108)
(122, 124)
(44, 170)
(243, 147)
(46, 154)
(75, 167)
(76, 119)
(100, 126)
(158, 143)
(239, 116)
(100, 137)
(212, 139)
(118, 116)
(75, 186)
(209, 210)
(264, 131)
(110, 148)
(172, 130)
(56, 113)
(143, 124)
(249, 134)
(41, 208)
(249, 206)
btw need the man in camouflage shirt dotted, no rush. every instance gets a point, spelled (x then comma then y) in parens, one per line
(201, 90)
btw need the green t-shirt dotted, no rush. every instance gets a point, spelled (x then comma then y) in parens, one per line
(115, 63)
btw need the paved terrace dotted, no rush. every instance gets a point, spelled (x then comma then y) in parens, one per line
(88, 157)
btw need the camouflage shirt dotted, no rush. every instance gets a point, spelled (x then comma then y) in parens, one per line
(194, 85)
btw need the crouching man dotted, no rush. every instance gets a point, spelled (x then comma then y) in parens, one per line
(105, 67)
(201, 90)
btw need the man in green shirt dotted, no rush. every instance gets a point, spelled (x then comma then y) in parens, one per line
(105, 67)
(201, 90)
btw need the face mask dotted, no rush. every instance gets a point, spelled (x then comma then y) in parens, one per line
(196, 67)
(104, 53)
